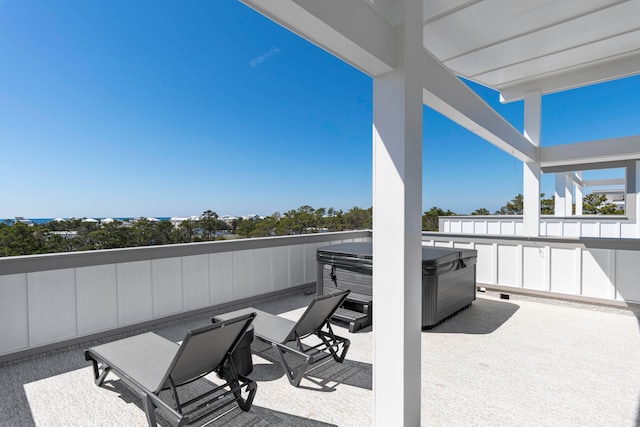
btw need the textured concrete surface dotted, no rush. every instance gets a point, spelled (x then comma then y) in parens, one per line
(498, 363)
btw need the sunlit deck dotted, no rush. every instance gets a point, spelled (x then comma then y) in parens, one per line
(500, 362)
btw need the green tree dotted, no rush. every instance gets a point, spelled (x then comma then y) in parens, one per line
(358, 219)
(514, 207)
(547, 206)
(209, 223)
(481, 211)
(430, 218)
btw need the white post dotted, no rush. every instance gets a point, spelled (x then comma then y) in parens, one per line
(397, 208)
(579, 194)
(568, 194)
(531, 170)
(558, 203)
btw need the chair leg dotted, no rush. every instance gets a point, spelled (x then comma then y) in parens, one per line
(149, 410)
(294, 378)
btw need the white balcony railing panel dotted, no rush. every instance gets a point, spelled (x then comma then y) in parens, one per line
(195, 279)
(280, 272)
(167, 297)
(14, 313)
(598, 267)
(296, 264)
(220, 278)
(97, 298)
(485, 269)
(135, 289)
(627, 275)
(52, 306)
(262, 274)
(563, 271)
(534, 268)
(243, 284)
(508, 263)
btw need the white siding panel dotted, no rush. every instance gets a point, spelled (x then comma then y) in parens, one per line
(533, 268)
(608, 229)
(571, 229)
(554, 228)
(195, 278)
(463, 245)
(493, 227)
(280, 267)
(508, 265)
(243, 285)
(480, 227)
(135, 292)
(507, 228)
(14, 313)
(52, 306)
(262, 270)
(595, 274)
(563, 263)
(167, 286)
(590, 229)
(97, 298)
(220, 277)
(296, 265)
(628, 275)
(310, 263)
(486, 263)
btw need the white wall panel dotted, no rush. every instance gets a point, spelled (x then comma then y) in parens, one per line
(493, 227)
(195, 279)
(52, 306)
(262, 271)
(243, 286)
(486, 264)
(608, 229)
(590, 229)
(463, 245)
(166, 275)
(296, 265)
(628, 275)
(507, 228)
(280, 269)
(455, 227)
(220, 277)
(135, 292)
(310, 263)
(508, 265)
(534, 268)
(467, 226)
(554, 228)
(480, 227)
(97, 298)
(14, 313)
(595, 274)
(571, 229)
(563, 268)
(444, 244)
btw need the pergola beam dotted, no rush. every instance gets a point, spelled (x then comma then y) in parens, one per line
(349, 29)
(447, 94)
(603, 151)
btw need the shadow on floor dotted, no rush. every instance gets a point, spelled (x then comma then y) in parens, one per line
(484, 316)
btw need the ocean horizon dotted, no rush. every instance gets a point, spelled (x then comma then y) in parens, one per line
(46, 220)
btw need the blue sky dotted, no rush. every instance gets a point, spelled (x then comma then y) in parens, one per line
(165, 108)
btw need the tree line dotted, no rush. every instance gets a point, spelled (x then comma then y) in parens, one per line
(77, 235)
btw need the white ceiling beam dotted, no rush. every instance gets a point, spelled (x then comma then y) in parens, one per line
(349, 29)
(607, 150)
(602, 182)
(574, 77)
(446, 93)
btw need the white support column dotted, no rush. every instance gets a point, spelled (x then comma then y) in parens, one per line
(397, 208)
(558, 209)
(568, 194)
(579, 194)
(563, 199)
(531, 170)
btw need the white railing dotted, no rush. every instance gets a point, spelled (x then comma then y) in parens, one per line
(46, 300)
(606, 269)
(610, 226)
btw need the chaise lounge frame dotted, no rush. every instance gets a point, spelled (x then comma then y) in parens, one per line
(149, 364)
(286, 336)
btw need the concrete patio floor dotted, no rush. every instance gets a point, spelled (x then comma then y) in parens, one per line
(500, 362)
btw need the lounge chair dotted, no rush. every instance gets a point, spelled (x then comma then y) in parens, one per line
(285, 336)
(150, 364)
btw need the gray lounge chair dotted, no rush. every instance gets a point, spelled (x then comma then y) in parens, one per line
(285, 336)
(150, 364)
